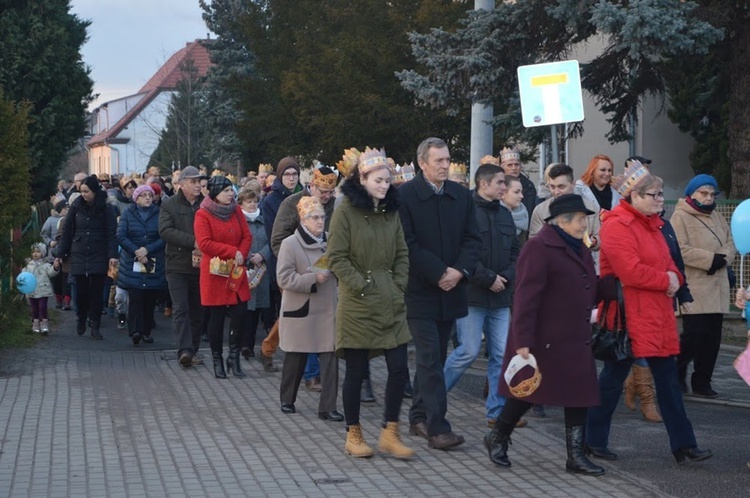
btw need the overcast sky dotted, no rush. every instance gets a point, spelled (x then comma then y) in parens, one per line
(129, 41)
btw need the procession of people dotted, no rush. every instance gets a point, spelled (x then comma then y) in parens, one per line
(369, 258)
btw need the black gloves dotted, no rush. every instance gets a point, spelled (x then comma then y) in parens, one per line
(719, 262)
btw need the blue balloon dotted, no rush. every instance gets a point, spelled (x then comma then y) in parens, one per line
(26, 282)
(741, 227)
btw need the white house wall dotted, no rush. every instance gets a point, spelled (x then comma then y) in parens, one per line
(142, 134)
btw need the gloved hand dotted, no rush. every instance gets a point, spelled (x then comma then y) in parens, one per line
(719, 262)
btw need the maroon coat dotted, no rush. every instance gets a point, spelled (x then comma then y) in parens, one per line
(556, 290)
(223, 239)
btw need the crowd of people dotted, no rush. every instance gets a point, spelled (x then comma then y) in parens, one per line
(368, 256)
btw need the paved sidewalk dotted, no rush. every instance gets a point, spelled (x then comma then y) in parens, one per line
(88, 418)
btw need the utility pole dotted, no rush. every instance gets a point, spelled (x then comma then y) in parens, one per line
(481, 116)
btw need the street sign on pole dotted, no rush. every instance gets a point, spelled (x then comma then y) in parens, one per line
(550, 93)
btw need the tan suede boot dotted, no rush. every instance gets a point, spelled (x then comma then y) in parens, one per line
(630, 390)
(390, 442)
(356, 445)
(644, 386)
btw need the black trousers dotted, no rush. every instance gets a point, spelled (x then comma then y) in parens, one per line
(515, 408)
(699, 342)
(216, 316)
(141, 304)
(357, 369)
(89, 289)
(430, 402)
(250, 327)
(186, 310)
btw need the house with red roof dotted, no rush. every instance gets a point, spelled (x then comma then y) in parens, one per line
(126, 131)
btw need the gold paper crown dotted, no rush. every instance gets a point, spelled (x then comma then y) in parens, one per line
(635, 173)
(217, 172)
(218, 266)
(348, 161)
(371, 159)
(510, 154)
(457, 169)
(324, 181)
(232, 179)
(403, 174)
(307, 204)
(265, 168)
(488, 159)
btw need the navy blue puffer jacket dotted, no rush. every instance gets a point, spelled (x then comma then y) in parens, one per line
(140, 228)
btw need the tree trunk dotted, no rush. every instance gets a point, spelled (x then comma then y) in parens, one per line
(738, 128)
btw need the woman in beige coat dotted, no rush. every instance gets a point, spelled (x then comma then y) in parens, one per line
(308, 306)
(707, 249)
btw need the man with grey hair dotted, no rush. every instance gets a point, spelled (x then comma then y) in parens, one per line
(77, 179)
(176, 218)
(440, 228)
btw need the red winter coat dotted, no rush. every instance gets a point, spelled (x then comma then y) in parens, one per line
(635, 251)
(223, 239)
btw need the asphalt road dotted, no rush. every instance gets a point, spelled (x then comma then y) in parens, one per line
(643, 447)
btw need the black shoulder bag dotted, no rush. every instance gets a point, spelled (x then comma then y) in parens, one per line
(612, 343)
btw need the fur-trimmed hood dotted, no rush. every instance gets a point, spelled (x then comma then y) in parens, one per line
(359, 198)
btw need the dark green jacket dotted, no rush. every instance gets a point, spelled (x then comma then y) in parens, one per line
(368, 254)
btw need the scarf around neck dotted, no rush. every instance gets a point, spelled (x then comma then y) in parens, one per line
(520, 217)
(251, 216)
(702, 208)
(219, 210)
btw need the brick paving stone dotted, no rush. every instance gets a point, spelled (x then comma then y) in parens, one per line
(126, 422)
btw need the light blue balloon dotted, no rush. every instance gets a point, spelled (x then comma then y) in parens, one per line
(741, 227)
(26, 282)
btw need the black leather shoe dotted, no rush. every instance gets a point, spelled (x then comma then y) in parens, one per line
(694, 454)
(602, 453)
(408, 389)
(705, 392)
(367, 395)
(288, 409)
(136, 338)
(419, 429)
(333, 416)
(445, 441)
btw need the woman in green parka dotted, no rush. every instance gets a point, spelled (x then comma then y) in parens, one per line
(368, 254)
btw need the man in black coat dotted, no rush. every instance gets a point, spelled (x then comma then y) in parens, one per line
(440, 227)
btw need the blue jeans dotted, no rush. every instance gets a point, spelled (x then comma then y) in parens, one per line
(312, 367)
(668, 396)
(493, 323)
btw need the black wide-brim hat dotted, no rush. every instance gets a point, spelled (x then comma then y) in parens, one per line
(568, 203)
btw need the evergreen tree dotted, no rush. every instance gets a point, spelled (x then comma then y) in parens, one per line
(184, 138)
(40, 63)
(319, 76)
(14, 167)
(645, 39)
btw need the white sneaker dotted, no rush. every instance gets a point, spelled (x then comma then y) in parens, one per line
(35, 326)
(45, 327)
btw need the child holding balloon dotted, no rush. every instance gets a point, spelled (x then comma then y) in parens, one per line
(38, 295)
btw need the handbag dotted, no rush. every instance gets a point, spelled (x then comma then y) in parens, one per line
(612, 343)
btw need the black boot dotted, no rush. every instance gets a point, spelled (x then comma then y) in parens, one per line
(408, 389)
(233, 360)
(497, 440)
(367, 396)
(578, 462)
(219, 372)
